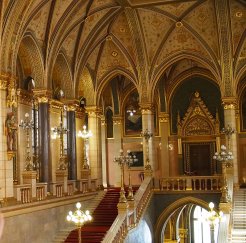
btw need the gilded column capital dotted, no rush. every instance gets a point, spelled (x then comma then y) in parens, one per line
(55, 105)
(93, 110)
(72, 105)
(163, 117)
(117, 120)
(230, 103)
(42, 95)
(146, 107)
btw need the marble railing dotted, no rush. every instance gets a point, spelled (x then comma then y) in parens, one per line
(129, 218)
(27, 193)
(194, 183)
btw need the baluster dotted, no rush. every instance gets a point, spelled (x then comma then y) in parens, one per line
(178, 185)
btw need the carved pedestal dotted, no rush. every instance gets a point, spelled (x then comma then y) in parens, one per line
(61, 176)
(86, 174)
(30, 177)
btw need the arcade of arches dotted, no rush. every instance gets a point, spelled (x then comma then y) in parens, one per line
(120, 67)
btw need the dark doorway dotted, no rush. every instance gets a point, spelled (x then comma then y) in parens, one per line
(198, 159)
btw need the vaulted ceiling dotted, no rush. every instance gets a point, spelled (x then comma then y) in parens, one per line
(81, 45)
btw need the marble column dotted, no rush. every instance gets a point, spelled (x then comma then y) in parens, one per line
(148, 123)
(71, 143)
(6, 164)
(230, 104)
(95, 148)
(104, 151)
(117, 146)
(44, 136)
(164, 133)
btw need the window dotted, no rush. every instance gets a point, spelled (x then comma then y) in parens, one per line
(201, 228)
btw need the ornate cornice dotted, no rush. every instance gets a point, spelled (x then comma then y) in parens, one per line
(230, 103)
(42, 95)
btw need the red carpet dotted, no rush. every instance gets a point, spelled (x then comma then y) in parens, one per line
(103, 217)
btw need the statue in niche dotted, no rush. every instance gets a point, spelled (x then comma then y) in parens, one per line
(11, 131)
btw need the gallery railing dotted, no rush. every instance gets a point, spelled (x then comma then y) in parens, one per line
(194, 183)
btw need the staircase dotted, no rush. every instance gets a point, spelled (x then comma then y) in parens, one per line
(239, 217)
(103, 217)
(63, 233)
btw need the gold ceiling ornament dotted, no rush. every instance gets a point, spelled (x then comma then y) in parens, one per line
(179, 24)
(239, 14)
(114, 53)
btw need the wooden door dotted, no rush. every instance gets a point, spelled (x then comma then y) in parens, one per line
(198, 159)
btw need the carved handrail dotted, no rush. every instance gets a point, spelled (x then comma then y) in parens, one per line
(194, 183)
(129, 219)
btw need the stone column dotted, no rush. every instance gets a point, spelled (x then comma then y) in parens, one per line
(104, 151)
(43, 96)
(117, 146)
(164, 133)
(95, 148)
(6, 163)
(230, 104)
(148, 123)
(71, 143)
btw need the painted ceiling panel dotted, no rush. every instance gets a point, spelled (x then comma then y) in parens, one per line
(91, 24)
(155, 26)
(203, 21)
(176, 9)
(101, 4)
(69, 43)
(38, 24)
(111, 57)
(238, 22)
(181, 40)
(121, 31)
(60, 8)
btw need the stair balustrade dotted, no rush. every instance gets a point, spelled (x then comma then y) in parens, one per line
(125, 221)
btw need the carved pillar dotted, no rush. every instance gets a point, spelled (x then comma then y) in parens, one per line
(230, 104)
(6, 179)
(71, 143)
(43, 96)
(148, 123)
(95, 148)
(117, 145)
(104, 151)
(164, 133)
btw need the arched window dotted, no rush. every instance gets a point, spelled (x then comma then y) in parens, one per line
(201, 230)
(109, 121)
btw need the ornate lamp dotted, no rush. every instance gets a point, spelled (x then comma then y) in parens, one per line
(213, 218)
(225, 157)
(79, 218)
(85, 135)
(59, 132)
(27, 125)
(147, 135)
(123, 160)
